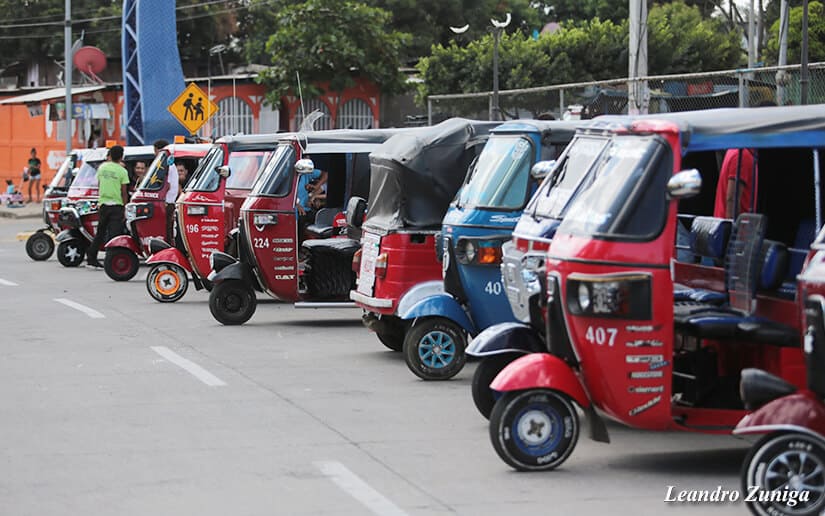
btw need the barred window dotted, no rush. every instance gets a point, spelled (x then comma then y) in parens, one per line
(354, 114)
(234, 116)
(311, 105)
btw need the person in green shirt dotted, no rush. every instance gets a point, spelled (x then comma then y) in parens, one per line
(113, 181)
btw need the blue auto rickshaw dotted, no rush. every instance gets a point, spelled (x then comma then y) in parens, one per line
(479, 221)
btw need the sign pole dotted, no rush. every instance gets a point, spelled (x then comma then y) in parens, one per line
(67, 74)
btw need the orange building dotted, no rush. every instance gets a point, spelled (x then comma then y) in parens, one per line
(35, 119)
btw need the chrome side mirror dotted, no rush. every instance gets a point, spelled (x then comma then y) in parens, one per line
(684, 184)
(224, 171)
(304, 166)
(542, 169)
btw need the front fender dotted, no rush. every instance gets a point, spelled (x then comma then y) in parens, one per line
(69, 234)
(800, 412)
(418, 293)
(236, 271)
(170, 255)
(541, 371)
(506, 338)
(126, 241)
(440, 305)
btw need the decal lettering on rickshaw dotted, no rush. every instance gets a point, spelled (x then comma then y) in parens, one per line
(644, 359)
(645, 406)
(646, 390)
(284, 276)
(210, 228)
(213, 243)
(151, 195)
(601, 336)
(493, 288)
(193, 228)
(201, 198)
(283, 259)
(260, 243)
(211, 221)
(282, 240)
(645, 375)
(283, 249)
(210, 235)
(640, 328)
(283, 268)
(644, 344)
(659, 365)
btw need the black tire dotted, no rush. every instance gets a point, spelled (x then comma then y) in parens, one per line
(487, 370)
(70, 253)
(39, 246)
(783, 456)
(434, 348)
(391, 339)
(232, 302)
(167, 282)
(534, 430)
(330, 276)
(120, 264)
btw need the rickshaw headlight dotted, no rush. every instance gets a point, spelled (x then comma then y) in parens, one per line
(584, 297)
(616, 296)
(265, 219)
(197, 210)
(479, 252)
(469, 251)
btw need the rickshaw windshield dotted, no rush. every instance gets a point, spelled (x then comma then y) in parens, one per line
(555, 193)
(87, 175)
(274, 180)
(501, 175)
(206, 175)
(627, 197)
(155, 177)
(243, 167)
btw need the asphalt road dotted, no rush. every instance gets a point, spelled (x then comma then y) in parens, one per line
(137, 408)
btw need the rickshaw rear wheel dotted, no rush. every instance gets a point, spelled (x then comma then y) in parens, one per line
(39, 246)
(232, 302)
(534, 430)
(487, 370)
(391, 340)
(434, 348)
(70, 253)
(167, 282)
(120, 264)
(779, 459)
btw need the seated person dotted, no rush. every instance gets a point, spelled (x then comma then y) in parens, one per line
(13, 196)
(309, 185)
(725, 202)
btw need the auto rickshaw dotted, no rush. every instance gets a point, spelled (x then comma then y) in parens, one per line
(522, 266)
(784, 471)
(146, 211)
(40, 245)
(207, 211)
(479, 221)
(78, 213)
(414, 179)
(309, 261)
(629, 328)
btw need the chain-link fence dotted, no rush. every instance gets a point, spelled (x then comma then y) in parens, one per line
(667, 93)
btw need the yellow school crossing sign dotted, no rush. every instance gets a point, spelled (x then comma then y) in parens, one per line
(192, 108)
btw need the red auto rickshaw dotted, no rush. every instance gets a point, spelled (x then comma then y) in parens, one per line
(653, 340)
(207, 212)
(40, 245)
(308, 262)
(414, 179)
(146, 211)
(78, 215)
(784, 471)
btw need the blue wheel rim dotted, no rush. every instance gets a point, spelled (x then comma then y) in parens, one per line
(436, 349)
(544, 420)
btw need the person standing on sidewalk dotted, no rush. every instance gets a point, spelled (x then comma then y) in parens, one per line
(113, 181)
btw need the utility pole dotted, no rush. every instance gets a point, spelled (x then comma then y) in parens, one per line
(638, 96)
(751, 36)
(803, 74)
(67, 74)
(782, 75)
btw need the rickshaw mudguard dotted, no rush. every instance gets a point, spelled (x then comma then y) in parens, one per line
(541, 371)
(441, 305)
(170, 255)
(505, 338)
(69, 234)
(235, 271)
(126, 241)
(797, 412)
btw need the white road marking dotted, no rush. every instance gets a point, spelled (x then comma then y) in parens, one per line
(7, 283)
(189, 366)
(350, 483)
(91, 312)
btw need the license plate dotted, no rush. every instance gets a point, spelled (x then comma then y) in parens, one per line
(370, 247)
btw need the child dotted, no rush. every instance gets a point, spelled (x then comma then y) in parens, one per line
(13, 197)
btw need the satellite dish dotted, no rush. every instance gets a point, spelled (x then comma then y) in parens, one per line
(460, 30)
(90, 61)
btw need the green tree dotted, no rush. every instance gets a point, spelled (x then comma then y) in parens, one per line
(332, 42)
(816, 35)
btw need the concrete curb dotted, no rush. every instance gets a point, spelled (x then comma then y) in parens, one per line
(21, 213)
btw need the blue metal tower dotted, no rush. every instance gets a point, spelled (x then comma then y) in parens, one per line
(152, 73)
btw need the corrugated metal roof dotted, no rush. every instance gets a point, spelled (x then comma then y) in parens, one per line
(54, 93)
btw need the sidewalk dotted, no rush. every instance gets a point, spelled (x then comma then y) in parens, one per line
(33, 210)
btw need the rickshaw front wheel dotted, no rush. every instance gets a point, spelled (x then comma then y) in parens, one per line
(167, 282)
(778, 460)
(120, 264)
(434, 348)
(39, 246)
(232, 302)
(534, 430)
(487, 370)
(71, 253)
